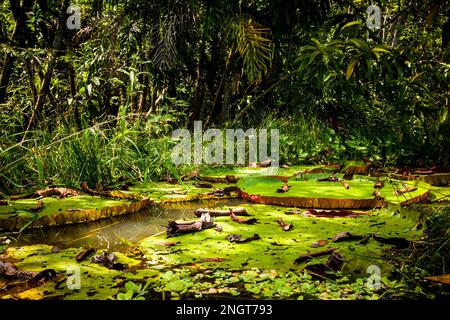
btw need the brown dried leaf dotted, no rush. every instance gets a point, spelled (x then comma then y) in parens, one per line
(405, 190)
(212, 259)
(284, 225)
(61, 192)
(379, 184)
(167, 243)
(346, 236)
(39, 207)
(320, 243)
(265, 163)
(242, 221)
(237, 238)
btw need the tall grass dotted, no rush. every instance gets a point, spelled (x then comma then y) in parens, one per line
(304, 138)
(134, 147)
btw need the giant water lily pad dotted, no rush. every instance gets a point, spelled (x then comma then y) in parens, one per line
(278, 249)
(328, 194)
(19, 213)
(244, 172)
(96, 281)
(163, 192)
(435, 179)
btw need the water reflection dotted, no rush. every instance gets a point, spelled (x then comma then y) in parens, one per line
(117, 233)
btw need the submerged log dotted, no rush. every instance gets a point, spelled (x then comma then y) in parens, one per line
(221, 213)
(175, 228)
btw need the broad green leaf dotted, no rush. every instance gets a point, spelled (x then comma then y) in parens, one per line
(353, 23)
(350, 69)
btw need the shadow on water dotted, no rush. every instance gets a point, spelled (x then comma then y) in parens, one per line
(120, 232)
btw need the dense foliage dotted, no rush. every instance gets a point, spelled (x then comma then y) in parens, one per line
(101, 102)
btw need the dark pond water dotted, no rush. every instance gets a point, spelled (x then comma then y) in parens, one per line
(117, 233)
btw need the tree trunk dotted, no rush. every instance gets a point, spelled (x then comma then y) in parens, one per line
(21, 36)
(216, 110)
(5, 74)
(57, 44)
(197, 101)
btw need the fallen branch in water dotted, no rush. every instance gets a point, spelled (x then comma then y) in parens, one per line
(221, 213)
(84, 254)
(175, 228)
